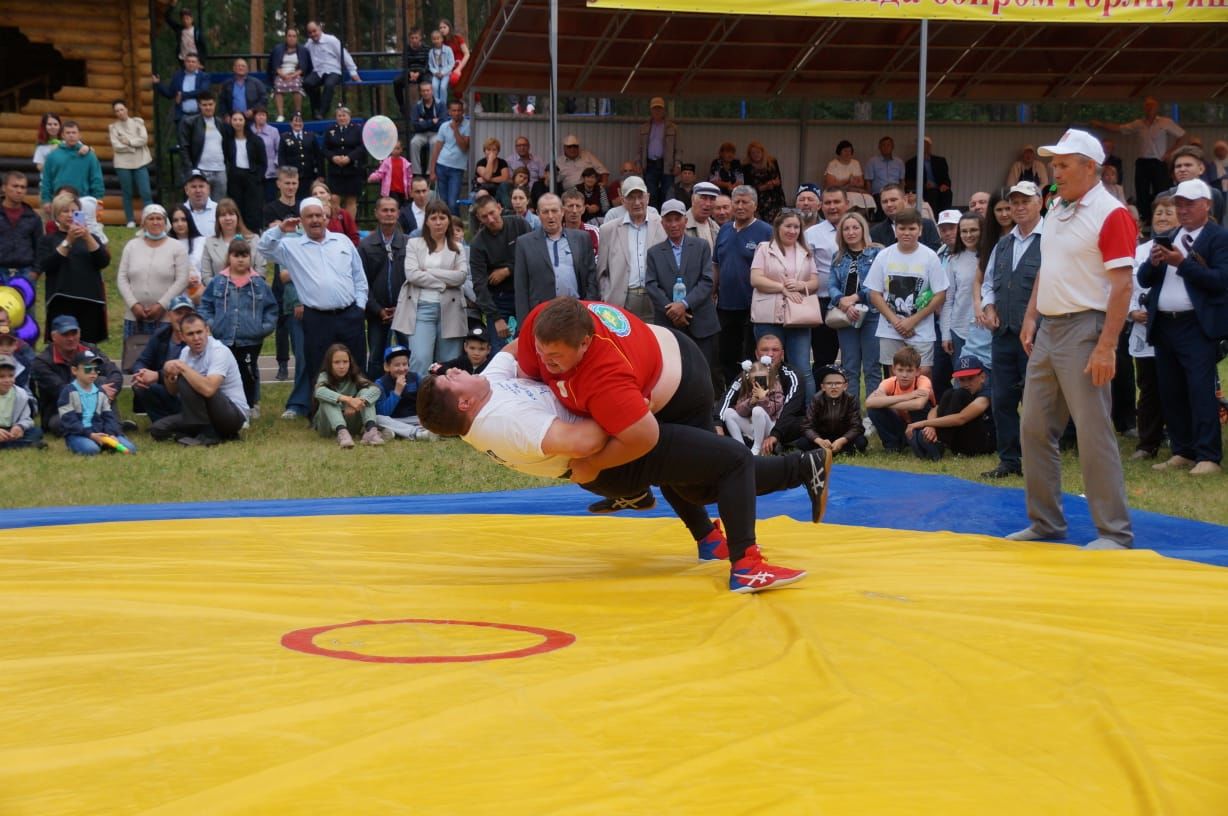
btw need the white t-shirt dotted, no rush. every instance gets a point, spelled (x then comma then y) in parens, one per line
(1174, 297)
(901, 278)
(289, 64)
(217, 359)
(513, 423)
(211, 157)
(821, 238)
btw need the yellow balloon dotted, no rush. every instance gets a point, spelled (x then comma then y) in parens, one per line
(13, 302)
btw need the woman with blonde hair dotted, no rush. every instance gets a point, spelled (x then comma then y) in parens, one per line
(849, 269)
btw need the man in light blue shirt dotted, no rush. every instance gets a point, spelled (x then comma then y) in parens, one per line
(884, 169)
(450, 156)
(328, 58)
(328, 276)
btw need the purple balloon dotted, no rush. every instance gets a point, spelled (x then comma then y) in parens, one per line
(28, 331)
(25, 287)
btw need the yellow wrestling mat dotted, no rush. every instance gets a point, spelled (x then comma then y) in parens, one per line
(206, 667)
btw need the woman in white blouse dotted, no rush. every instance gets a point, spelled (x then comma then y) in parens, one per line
(845, 171)
(431, 307)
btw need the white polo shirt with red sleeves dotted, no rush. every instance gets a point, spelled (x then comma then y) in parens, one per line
(1079, 243)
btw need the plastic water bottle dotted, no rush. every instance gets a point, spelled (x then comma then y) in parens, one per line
(511, 327)
(679, 290)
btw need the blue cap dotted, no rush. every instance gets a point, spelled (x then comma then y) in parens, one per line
(968, 366)
(809, 187)
(181, 302)
(64, 324)
(393, 351)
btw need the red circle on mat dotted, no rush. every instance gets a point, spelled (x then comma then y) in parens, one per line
(303, 640)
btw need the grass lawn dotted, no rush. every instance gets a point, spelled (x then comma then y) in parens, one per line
(279, 459)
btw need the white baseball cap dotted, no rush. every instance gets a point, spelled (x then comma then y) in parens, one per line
(1192, 190)
(705, 188)
(1027, 188)
(949, 217)
(1076, 142)
(631, 184)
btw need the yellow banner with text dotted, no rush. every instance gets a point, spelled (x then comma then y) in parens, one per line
(1016, 11)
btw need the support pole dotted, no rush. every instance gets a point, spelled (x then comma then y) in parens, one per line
(921, 84)
(554, 93)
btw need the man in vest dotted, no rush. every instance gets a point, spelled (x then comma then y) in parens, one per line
(1009, 277)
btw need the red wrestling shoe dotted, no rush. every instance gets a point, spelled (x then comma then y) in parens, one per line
(751, 573)
(714, 546)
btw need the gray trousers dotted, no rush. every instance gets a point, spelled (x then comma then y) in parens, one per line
(1056, 390)
(640, 305)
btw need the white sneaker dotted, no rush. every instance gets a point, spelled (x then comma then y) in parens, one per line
(281, 118)
(254, 412)
(423, 435)
(868, 424)
(1027, 534)
(131, 225)
(1104, 544)
(387, 434)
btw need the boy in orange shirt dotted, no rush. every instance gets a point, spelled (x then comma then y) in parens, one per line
(901, 399)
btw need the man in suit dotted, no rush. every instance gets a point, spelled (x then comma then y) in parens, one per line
(383, 260)
(413, 214)
(242, 92)
(552, 261)
(1187, 314)
(937, 180)
(893, 200)
(298, 148)
(185, 86)
(624, 258)
(685, 257)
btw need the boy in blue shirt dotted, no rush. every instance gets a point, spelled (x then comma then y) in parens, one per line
(86, 415)
(396, 411)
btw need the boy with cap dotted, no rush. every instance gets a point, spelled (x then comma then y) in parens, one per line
(961, 421)
(476, 353)
(17, 428)
(86, 416)
(396, 410)
(833, 418)
(52, 371)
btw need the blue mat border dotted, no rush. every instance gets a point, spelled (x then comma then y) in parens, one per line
(861, 496)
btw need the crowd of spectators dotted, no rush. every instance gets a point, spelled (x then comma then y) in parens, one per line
(864, 310)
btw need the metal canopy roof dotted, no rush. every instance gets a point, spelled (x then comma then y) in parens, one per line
(609, 52)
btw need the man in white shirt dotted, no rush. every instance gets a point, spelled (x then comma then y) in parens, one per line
(1187, 314)
(206, 379)
(200, 203)
(821, 238)
(413, 214)
(1154, 151)
(1082, 290)
(907, 285)
(623, 261)
(328, 57)
(1006, 290)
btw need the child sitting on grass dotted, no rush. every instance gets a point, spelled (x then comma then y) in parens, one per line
(900, 399)
(17, 428)
(833, 418)
(758, 405)
(345, 400)
(397, 409)
(86, 416)
(962, 421)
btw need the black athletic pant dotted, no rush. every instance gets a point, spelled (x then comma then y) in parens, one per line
(200, 414)
(690, 461)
